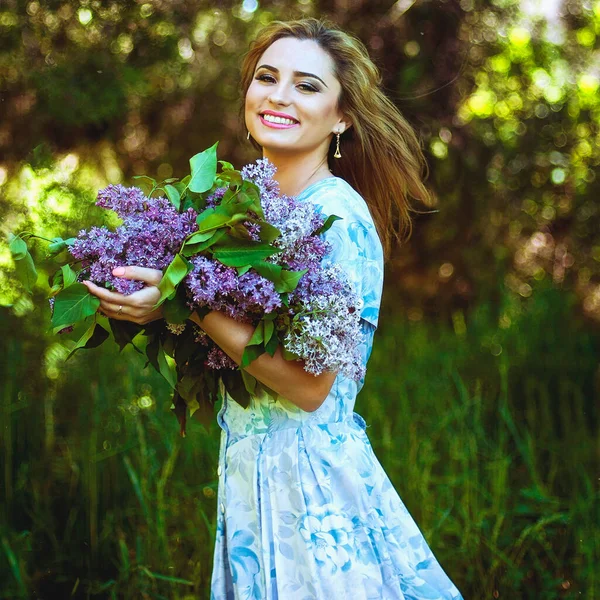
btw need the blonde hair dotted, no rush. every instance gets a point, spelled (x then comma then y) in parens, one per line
(381, 154)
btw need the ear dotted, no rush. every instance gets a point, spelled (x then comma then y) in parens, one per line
(342, 125)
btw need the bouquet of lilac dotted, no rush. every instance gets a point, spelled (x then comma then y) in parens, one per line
(226, 240)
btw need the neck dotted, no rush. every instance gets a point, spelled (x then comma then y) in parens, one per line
(295, 173)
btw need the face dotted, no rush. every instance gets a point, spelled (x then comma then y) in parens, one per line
(292, 103)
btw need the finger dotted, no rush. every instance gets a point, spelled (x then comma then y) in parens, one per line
(151, 276)
(104, 294)
(126, 313)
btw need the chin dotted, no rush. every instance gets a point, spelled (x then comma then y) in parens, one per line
(278, 145)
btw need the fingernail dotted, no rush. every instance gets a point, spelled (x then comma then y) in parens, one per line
(119, 271)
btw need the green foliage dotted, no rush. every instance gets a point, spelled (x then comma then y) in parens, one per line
(92, 338)
(485, 424)
(486, 433)
(204, 170)
(172, 277)
(73, 304)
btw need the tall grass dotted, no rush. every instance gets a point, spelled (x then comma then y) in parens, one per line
(489, 434)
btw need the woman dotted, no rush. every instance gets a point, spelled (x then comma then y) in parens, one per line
(305, 510)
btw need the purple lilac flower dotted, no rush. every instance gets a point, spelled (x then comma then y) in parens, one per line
(325, 312)
(124, 201)
(210, 283)
(200, 336)
(306, 253)
(297, 220)
(216, 197)
(151, 234)
(321, 282)
(217, 359)
(244, 297)
(253, 230)
(254, 295)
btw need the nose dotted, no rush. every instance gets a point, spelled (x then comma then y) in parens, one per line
(279, 95)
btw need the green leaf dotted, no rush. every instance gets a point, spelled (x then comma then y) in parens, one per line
(147, 181)
(250, 190)
(124, 332)
(229, 177)
(243, 270)
(173, 195)
(204, 169)
(272, 345)
(172, 277)
(158, 359)
(238, 253)
(198, 237)
(92, 338)
(26, 272)
(290, 280)
(73, 304)
(176, 309)
(213, 221)
(17, 246)
(284, 281)
(331, 219)
(166, 367)
(179, 409)
(193, 249)
(250, 382)
(268, 232)
(269, 330)
(57, 245)
(69, 277)
(226, 166)
(255, 347)
(234, 384)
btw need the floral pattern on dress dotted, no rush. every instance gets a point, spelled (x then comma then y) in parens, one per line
(305, 509)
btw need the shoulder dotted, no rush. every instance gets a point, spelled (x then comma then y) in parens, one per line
(336, 196)
(355, 232)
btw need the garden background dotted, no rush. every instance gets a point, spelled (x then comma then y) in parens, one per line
(482, 391)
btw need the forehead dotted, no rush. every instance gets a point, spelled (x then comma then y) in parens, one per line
(291, 54)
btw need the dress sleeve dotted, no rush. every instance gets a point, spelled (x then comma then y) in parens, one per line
(355, 247)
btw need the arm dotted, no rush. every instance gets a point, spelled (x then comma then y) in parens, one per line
(287, 378)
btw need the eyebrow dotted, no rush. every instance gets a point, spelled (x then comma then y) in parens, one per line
(296, 73)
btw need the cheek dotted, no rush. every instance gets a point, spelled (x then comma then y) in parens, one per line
(328, 114)
(252, 96)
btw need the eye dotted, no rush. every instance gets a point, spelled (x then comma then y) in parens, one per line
(307, 87)
(265, 77)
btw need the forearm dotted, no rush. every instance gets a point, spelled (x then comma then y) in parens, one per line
(287, 378)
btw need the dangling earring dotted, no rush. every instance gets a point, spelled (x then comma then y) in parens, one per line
(248, 136)
(337, 153)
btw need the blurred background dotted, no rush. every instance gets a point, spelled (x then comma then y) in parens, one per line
(482, 391)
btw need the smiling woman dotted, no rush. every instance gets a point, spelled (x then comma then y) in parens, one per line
(292, 108)
(305, 509)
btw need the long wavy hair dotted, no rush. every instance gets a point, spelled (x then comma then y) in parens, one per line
(381, 154)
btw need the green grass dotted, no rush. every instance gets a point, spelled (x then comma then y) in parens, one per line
(489, 434)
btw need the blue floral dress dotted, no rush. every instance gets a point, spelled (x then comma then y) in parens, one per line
(305, 510)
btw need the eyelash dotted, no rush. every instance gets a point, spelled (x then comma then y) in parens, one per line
(304, 86)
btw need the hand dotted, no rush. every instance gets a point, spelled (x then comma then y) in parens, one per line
(137, 307)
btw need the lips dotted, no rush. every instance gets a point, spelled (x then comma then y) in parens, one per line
(277, 120)
(281, 115)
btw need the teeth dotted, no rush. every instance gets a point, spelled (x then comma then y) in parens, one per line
(280, 120)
